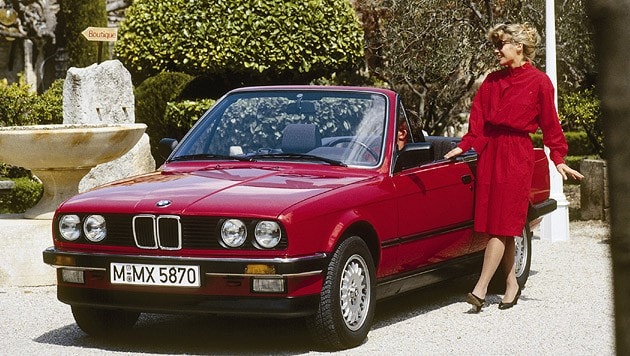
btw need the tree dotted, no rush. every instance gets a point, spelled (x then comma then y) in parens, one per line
(74, 17)
(612, 35)
(248, 42)
(435, 51)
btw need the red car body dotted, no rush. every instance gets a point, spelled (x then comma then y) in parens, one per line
(410, 210)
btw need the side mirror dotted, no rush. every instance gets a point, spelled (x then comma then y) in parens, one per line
(166, 146)
(414, 155)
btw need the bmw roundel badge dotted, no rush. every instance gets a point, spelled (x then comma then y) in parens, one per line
(163, 203)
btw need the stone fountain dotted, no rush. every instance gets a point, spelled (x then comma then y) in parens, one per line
(61, 155)
(98, 127)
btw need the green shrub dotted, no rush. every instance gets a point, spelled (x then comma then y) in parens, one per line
(8, 171)
(252, 42)
(180, 116)
(48, 107)
(579, 143)
(15, 101)
(582, 109)
(152, 96)
(25, 195)
(20, 106)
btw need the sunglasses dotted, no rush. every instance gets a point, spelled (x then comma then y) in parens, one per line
(499, 44)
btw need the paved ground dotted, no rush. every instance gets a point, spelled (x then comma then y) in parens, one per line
(566, 309)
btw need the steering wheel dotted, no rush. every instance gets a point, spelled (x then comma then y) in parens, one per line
(352, 141)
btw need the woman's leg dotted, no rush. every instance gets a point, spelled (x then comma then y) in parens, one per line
(491, 259)
(511, 284)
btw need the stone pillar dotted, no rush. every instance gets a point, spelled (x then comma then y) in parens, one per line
(594, 203)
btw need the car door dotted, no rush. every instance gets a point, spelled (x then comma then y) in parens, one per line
(435, 205)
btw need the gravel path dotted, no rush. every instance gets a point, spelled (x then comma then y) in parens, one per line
(565, 309)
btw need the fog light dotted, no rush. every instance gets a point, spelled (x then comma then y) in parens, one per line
(268, 285)
(72, 276)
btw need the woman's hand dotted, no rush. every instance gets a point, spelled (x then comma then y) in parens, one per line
(453, 153)
(566, 171)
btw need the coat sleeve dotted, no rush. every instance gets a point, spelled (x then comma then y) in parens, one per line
(549, 123)
(475, 137)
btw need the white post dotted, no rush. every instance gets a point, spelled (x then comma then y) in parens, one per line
(554, 226)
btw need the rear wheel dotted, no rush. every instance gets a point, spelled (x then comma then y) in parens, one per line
(522, 262)
(346, 306)
(523, 255)
(104, 322)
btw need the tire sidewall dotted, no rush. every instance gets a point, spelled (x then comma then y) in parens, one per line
(343, 336)
(527, 259)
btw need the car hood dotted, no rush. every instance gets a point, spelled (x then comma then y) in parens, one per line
(217, 190)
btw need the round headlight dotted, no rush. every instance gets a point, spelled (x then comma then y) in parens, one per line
(233, 233)
(268, 234)
(94, 228)
(69, 227)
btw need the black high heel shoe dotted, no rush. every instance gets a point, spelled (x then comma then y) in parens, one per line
(475, 301)
(504, 306)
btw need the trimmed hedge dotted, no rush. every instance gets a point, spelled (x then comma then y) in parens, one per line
(579, 143)
(252, 42)
(20, 106)
(25, 195)
(180, 116)
(15, 101)
(152, 97)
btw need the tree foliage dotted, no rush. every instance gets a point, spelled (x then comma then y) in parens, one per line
(252, 41)
(74, 17)
(581, 109)
(434, 52)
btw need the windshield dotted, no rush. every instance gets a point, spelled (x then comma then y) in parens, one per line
(323, 127)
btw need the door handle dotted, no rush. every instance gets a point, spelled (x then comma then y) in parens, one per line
(466, 179)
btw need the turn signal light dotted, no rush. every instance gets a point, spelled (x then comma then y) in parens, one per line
(64, 261)
(260, 269)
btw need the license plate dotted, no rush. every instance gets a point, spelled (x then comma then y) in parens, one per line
(154, 275)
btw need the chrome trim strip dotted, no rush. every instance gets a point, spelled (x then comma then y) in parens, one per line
(275, 276)
(74, 268)
(276, 260)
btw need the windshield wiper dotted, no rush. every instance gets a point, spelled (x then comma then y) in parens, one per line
(300, 156)
(204, 156)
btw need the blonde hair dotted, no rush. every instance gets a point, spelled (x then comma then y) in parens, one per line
(524, 33)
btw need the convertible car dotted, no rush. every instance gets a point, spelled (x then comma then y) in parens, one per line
(301, 201)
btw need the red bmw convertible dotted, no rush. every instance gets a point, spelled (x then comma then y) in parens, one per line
(299, 201)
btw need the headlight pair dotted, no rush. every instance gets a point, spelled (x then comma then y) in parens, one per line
(94, 227)
(267, 234)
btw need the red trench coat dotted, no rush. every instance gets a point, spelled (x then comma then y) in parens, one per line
(510, 104)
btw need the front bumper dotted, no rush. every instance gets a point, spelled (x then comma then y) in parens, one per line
(226, 286)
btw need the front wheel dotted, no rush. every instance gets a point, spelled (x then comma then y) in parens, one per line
(347, 303)
(104, 322)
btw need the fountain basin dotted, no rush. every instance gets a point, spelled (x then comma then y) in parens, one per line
(61, 155)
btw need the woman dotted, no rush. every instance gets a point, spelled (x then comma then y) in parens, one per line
(510, 104)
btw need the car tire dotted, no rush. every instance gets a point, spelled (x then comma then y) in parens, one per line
(104, 322)
(522, 262)
(346, 307)
(523, 255)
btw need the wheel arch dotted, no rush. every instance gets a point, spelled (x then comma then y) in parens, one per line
(367, 233)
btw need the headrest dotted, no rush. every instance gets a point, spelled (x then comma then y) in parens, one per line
(300, 138)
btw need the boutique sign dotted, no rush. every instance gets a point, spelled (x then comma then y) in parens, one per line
(101, 34)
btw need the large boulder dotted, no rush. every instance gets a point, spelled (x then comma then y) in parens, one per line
(103, 94)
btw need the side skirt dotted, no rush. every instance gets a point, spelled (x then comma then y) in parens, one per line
(392, 286)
